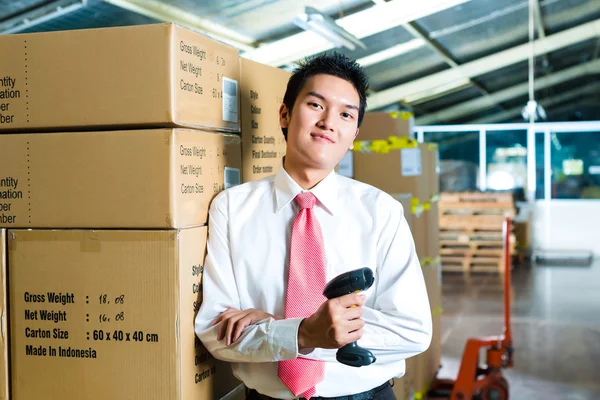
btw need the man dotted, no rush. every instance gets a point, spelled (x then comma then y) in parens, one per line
(274, 243)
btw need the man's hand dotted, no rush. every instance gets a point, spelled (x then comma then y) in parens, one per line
(335, 324)
(234, 321)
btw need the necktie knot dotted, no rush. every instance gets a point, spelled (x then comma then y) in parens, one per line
(306, 200)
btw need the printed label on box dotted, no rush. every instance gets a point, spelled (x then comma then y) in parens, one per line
(232, 177)
(230, 100)
(411, 162)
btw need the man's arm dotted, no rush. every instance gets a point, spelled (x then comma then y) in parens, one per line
(262, 341)
(398, 323)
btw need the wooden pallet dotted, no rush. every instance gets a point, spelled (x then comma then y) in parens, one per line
(452, 221)
(473, 264)
(481, 198)
(479, 236)
(471, 230)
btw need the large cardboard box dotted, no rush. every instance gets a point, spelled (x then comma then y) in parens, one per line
(137, 76)
(109, 314)
(394, 171)
(381, 125)
(4, 341)
(424, 366)
(159, 178)
(263, 145)
(406, 200)
(432, 219)
(433, 160)
(402, 389)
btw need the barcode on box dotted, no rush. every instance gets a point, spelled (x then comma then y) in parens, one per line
(230, 100)
(232, 177)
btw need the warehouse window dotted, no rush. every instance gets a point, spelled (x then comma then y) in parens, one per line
(540, 160)
(506, 160)
(575, 163)
(459, 159)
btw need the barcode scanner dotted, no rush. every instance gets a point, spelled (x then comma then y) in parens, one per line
(354, 281)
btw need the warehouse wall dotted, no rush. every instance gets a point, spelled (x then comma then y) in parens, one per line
(567, 225)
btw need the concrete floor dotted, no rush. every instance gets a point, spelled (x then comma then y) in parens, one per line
(556, 328)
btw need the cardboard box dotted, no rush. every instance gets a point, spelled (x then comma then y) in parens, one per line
(4, 342)
(433, 160)
(397, 171)
(159, 178)
(135, 76)
(402, 389)
(406, 200)
(381, 125)
(263, 145)
(432, 217)
(424, 366)
(420, 236)
(109, 314)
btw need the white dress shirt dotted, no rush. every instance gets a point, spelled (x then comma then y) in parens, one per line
(247, 267)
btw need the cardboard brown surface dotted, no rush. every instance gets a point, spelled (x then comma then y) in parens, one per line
(432, 218)
(158, 178)
(381, 125)
(262, 88)
(399, 171)
(433, 160)
(4, 336)
(124, 306)
(406, 200)
(424, 366)
(135, 76)
(402, 389)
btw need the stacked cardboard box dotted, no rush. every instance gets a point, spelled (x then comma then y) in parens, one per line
(386, 157)
(4, 343)
(134, 128)
(263, 144)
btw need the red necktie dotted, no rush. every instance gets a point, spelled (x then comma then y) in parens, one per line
(306, 281)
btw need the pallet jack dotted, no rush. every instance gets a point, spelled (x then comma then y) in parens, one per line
(483, 382)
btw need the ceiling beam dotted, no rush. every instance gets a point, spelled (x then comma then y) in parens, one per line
(416, 31)
(546, 103)
(373, 20)
(480, 104)
(168, 13)
(485, 64)
(594, 99)
(39, 15)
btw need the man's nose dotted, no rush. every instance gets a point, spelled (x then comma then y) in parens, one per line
(326, 122)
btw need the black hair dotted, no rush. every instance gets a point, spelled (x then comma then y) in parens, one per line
(330, 63)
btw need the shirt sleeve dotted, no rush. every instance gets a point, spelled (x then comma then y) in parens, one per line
(397, 314)
(268, 340)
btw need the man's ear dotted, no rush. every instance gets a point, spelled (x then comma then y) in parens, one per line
(352, 144)
(284, 116)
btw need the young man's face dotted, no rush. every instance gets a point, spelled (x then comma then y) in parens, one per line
(323, 122)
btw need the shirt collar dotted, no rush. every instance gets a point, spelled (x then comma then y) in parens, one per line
(286, 190)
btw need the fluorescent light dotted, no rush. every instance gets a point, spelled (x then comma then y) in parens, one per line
(391, 52)
(362, 24)
(313, 20)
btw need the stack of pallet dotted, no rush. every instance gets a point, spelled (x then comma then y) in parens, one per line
(471, 231)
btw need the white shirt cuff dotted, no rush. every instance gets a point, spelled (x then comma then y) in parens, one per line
(283, 335)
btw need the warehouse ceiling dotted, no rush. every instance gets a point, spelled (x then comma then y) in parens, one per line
(448, 61)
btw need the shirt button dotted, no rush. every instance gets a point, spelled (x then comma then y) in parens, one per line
(282, 353)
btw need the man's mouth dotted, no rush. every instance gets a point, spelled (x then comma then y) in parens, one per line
(321, 137)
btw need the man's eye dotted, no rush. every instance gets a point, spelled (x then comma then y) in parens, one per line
(346, 115)
(316, 105)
